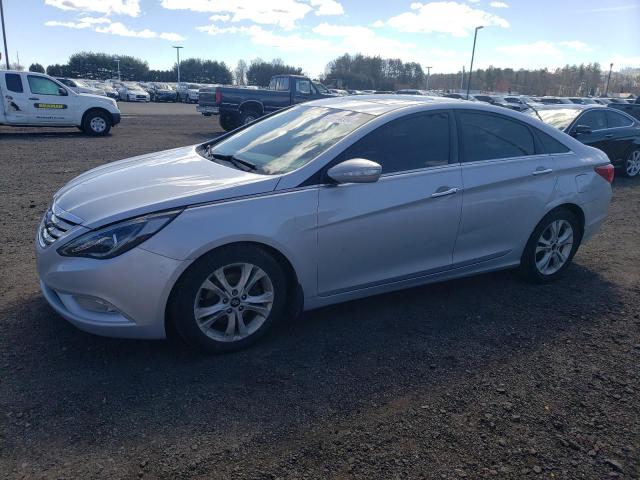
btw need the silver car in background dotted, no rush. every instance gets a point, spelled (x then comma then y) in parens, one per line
(324, 202)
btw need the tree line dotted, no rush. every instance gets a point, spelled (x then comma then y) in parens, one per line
(357, 71)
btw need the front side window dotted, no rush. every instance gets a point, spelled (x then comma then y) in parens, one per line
(616, 120)
(289, 140)
(44, 86)
(304, 87)
(410, 143)
(594, 119)
(14, 82)
(489, 137)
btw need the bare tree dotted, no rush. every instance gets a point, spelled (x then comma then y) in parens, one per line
(240, 72)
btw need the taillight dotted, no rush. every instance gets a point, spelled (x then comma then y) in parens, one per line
(606, 172)
(218, 96)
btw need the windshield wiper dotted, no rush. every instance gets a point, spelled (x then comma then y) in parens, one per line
(237, 162)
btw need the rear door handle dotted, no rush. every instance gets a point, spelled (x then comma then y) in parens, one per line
(443, 193)
(542, 171)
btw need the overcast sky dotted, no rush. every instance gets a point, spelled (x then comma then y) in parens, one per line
(309, 33)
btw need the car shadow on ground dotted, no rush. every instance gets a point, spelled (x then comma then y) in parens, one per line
(330, 360)
(40, 133)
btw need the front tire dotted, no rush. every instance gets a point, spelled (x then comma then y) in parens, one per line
(96, 123)
(631, 167)
(228, 299)
(551, 247)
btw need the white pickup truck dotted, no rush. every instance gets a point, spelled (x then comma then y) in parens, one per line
(34, 99)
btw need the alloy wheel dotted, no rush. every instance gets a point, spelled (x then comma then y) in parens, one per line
(632, 164)
(554, 247)
(234, 302)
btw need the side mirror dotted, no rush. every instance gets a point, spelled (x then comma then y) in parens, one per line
(356, 170)
(580, 129)
(62, 91)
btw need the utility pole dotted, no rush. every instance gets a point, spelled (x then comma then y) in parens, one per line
(428, 73)
(4, 35)
(473, 53)
(117, 59)
(462, 78)
(606, 90)
(178, 57)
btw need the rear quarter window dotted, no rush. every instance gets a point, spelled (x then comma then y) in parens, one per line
(550, 145)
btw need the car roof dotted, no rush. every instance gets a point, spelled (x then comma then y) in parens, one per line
(380, 104)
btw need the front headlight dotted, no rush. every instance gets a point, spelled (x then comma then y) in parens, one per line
(115, 239)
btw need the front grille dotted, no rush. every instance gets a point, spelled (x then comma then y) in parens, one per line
(53, 227)
(141, 97)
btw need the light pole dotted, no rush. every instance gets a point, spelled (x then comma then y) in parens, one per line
(117, 59)
(606, 90)
(4, 36)
(428, 73)
(473, 53)
(178, 56)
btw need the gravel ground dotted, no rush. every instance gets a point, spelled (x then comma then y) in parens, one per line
(486, 377)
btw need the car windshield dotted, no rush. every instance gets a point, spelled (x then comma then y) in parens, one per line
(288, 140)
(559, 118)
(163, 86)
(193, 86)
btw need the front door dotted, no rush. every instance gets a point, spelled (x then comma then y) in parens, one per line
(403, 226)
(49, 102)
(599, 136)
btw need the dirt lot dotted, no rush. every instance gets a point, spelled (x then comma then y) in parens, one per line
(486, 377)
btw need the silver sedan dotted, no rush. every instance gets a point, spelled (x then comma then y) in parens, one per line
(320, 203)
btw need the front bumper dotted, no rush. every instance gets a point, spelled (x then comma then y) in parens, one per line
(115, 118)
(136, 286)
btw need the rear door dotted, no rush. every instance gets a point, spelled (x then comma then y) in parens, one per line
(621, 133)
(15, 98)
(402, 226)
(507, 185)
(49, 101)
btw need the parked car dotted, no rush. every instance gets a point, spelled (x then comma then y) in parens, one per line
(239, 106)
(80, 86)
(459, 96)
(313, 206)
(555, 101)
(615, 133)
(35, 99)
(583, 101)
(522, 101)
(410, 91)
(163, 92)
(337, 91)
(108, 89)
(188, 92)
(132, 92)
(499, 101)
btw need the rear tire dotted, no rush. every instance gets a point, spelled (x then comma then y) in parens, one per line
(248, 116)
(631, 166)
(228, 299)
(228, 122)
(551, 247)
(96, 123)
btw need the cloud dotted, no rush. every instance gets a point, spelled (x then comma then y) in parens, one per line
(576, 45)
(617, 8)
(104, 25)
(454, 18)
(498, 5)
(220, 18)
(327, 7)
(544, 48)
(259, 36)
(378, 24)
(283, 13)
(106, 7)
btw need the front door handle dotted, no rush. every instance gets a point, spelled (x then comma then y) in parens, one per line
(450, 191)
(608, 135)
(34, 98)
(542, 171)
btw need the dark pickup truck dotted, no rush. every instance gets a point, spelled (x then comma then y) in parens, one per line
(240, 105)
(632, 109)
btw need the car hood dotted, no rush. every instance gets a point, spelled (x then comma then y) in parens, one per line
(153, 182)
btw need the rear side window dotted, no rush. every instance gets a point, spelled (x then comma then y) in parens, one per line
(488, 137)
(550, 144)
(595, 119)
(14, 82)
(615, 120)
(410, 143)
